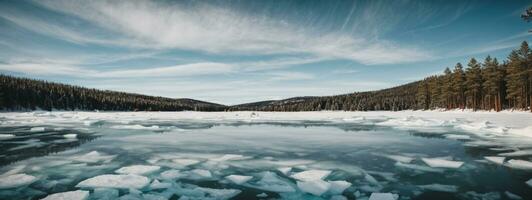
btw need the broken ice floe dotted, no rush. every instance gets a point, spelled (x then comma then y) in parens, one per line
(171, 174)
(383, 196)
(115, 181)
(315, 187)
(72, 195)
(93, 157)
(273, 183)
(311, 175)
(420, 168)
(238, 179)
(338, 187)
(70, 136)
(442, 163)
(16, 180)
(138, 169)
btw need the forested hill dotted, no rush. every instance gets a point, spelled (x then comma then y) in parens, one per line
(486, 85)
(396, 98)
(28, 94)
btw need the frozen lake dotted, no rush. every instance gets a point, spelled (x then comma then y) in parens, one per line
(247, 155)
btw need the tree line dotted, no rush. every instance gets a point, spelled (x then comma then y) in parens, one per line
(487, 85)
(27, 94)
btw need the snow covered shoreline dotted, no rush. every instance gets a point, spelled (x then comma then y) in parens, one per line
(505, 122)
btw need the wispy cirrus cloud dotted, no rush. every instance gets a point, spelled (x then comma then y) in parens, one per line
(193, 69)
(160, 25)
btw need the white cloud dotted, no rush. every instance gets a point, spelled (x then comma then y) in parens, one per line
(289, 76)
(159, 25)
(193, 69)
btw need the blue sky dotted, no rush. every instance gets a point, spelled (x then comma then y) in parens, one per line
(234, 52)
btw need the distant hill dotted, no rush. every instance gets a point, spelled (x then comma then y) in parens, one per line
(396, 98)
(28, 94)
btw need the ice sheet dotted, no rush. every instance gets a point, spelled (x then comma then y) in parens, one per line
(238, 179)
(138, 169)
(383, 196)
(115, 181)
(311, 175)
(442, 163)
(16, 180)
(315, 187)
(72, 195)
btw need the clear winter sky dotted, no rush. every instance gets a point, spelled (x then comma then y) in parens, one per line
(241, 51)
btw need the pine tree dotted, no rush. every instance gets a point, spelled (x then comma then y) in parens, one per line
(435, 89)
(525, 62)
(422, 96)
(473, 84)
(447, 88)
(458, 86)
(493, 78)
(516, 81)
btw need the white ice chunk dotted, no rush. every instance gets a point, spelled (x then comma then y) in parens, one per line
(371, 179)
(136, 127)
(311, 175)
(15, 170)
(519, 164)
(115, 181)
(442, 163)
(440, 187)
(262, 195)
(338, 187)
(93, 157)
(155, 184)
(399, 158)
(16, 180)
(6, 136)
(526, 152)
(512, 196)
(192, 192)
(285, 170)
(495, 159)
(153, 197)
(228, 157)
(273, 183)
(383, 196)
(185, 162)
(238, 179)
(37, 129)
(72, 195)
(138, 169)
(171, 174)
(529, 182)
(202, 173)
(70, 136)
(417, 167)
(315, 187)
(457, 137)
